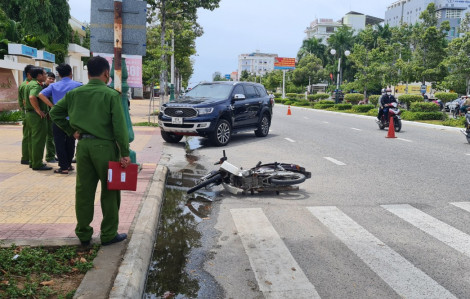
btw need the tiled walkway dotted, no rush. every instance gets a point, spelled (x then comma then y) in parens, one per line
(41, 204)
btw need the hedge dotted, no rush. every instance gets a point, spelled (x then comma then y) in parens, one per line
(459, 122)
(424, 107)
(302, 103)
(277, 95)
(325, 102)
(353, 98)
(291, 96)
(363, 108)
(372, 112)
(410, 98)
(287, 102)
(323, 106)
(374, 99)
(346, 106)
(318, 96)
(446, 96)
(409, 115)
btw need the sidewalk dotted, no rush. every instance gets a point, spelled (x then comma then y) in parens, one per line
(39, 205)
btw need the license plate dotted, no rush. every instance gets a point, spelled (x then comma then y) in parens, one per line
(177, 120)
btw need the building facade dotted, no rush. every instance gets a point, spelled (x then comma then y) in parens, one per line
(256, 63)
(322, 28)
(358, 21)
(408, 11)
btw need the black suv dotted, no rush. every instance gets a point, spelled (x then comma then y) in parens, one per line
(217, 110)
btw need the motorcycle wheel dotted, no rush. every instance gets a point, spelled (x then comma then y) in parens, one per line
(381, 126)
(204, 183)
(397, 125)
(292, 178)
(468, 139)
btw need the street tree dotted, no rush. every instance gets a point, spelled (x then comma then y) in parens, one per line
(342, 40)
(313, 46)
(309, 70)
(458, 63)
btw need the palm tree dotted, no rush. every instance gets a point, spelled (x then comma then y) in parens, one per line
(312, 46)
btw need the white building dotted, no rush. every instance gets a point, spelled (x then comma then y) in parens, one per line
(408, 11)
(256, 63)
(322, 28)
(358, 21)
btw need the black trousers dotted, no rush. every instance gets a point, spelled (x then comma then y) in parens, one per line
(64, 147)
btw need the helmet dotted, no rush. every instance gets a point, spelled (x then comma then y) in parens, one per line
(383, 90)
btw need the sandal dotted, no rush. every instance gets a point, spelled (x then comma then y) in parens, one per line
(61, 171)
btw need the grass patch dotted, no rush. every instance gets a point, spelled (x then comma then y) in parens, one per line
(145, 124)
(27, 272)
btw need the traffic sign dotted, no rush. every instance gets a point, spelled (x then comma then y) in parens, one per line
(134, 18)
(227, 76)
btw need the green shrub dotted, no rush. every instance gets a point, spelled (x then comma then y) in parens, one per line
(372, 112)
(326, 102)
(291, 96)
(279, 100)
(320, 96)
(311, 97)
(446, 96)
(409, 115)
(277, 95)
(410, 98)
(363, 108)
(301, 96)
(424, 107)
(374, 99)
(353, 98)
(302, 103)
(287, 102)
(346, 106)
(451, 122)
(323, 106)
(11, 116)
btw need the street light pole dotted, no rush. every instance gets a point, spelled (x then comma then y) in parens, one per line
(339, 70)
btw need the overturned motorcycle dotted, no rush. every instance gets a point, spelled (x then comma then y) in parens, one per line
(263, 177)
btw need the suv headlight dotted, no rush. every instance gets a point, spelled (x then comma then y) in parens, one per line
(202, 111)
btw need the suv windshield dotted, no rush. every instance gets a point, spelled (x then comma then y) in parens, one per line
(215, 91)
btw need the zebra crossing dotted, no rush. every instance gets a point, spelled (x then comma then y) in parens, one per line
(278, 273)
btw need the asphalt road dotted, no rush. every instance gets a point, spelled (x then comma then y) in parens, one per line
(380, 218)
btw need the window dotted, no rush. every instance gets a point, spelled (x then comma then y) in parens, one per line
(330, 29)
(238, 90)
(439, 14)
(453, 13)
(250, 92)
(261, 91)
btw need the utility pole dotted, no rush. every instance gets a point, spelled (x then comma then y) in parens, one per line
(172, 66)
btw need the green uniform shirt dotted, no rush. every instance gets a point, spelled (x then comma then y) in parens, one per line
(93, 109)
(21, 93)
(33, 89)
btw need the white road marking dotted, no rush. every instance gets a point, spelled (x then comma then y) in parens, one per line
(306, 117)
(403, 139)
(443, 232)
(335, 161)
(407, 280)
(288, 139)
(325, 122)
(356, 129)
(277, 272)
(467, 154)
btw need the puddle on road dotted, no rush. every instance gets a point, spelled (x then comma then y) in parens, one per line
(176, 269)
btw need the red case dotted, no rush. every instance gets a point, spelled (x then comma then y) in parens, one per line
(122, 178)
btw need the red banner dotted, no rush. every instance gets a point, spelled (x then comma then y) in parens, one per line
(284, 63)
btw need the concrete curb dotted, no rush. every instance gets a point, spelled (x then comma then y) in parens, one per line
(131, 277)
(412, 123)
(131, 270)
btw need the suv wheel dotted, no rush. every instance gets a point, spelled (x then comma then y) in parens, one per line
(263, 126)
(170, 137)
(222, 133)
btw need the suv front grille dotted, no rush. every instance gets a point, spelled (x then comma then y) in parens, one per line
(180, 112)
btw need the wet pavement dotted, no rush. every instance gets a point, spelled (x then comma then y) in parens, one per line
(181, 249)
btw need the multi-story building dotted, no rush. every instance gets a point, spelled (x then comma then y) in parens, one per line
(256, 63)
(358, 21)
(408, 11)
(322, 28)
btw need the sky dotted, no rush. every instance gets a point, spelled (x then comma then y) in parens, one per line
(244, 26)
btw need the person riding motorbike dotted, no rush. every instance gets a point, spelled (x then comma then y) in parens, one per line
(464, 104)
(385, 102)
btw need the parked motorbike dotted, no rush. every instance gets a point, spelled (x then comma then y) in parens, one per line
(263, 177)
(394, 112)
(466, 131)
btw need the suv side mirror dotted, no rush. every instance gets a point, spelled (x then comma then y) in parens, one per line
(239, 96)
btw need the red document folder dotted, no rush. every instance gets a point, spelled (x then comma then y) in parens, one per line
(122, 178)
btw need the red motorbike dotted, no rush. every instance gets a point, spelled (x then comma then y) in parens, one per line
(393, 112)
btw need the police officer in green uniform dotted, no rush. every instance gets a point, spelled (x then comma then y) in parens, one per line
(50, 146)
(21, 103)
(96, 118)
(36, 113)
